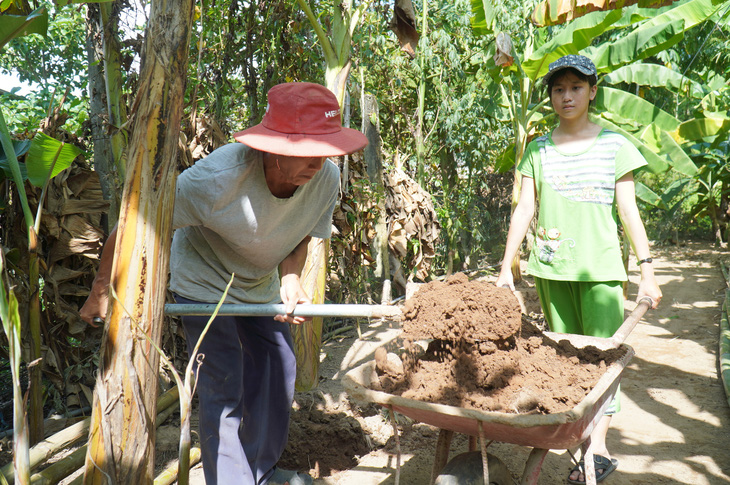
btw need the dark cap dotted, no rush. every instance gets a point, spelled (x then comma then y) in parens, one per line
(579, 63)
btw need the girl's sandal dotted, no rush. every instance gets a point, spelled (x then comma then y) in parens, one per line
(601, 463)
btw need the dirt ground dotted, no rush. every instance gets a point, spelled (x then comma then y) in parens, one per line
(673, 427)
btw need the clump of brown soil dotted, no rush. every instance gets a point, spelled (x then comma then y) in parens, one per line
(459, 309)
(485, 355)
(320, 441)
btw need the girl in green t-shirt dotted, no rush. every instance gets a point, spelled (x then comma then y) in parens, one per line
(582, 179)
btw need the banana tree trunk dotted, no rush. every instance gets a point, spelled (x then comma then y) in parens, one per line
(308, 337)
(521, 123)
(121, 434)
(373, 157)
(107, 108)
(113, 83)
(337, 50)
(35, 419)
(97, 114)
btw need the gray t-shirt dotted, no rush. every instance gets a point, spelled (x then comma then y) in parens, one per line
(227, 221)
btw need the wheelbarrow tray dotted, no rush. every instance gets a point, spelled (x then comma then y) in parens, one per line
(548, 431)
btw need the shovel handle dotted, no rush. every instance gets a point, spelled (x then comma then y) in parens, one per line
(301, 310)
(628, 326)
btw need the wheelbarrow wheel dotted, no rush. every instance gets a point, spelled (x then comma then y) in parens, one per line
(466, 469)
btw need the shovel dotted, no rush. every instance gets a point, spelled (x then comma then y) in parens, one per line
(271, 309)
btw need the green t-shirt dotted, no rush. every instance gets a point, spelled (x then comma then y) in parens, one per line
(577, 233)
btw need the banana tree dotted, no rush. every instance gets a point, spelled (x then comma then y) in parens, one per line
(337, 50)
(107, 106)
(121, 443)
(11, 325)
(17, 21)
(709, 187)
(702, 138)
(45, 159)
(714, 185)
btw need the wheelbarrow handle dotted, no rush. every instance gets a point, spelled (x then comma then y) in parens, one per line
(628, 326)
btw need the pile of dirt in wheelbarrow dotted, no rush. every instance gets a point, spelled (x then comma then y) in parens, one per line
(482, 353)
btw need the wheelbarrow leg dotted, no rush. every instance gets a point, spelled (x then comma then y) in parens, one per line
(533, 465)
(443, 445)
(472, 443)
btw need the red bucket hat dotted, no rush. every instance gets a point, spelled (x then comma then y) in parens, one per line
(302, 120)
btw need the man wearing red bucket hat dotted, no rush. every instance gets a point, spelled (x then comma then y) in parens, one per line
(250, 208)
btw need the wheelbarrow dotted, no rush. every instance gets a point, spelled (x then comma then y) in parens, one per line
(542, 433)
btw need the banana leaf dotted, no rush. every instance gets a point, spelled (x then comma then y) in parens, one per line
(576, 36)
(643, 42)
(661, 142)
(48, 156)
(554, 12)
(483, 16)
(701, 128)
(692, 13)
(12, 26)
(679, 158)
(647, 195)
(21, 148)
(675, 189)
(14, 168)
(633, 107)
(506, 160)
(629, 125)
(656, 75)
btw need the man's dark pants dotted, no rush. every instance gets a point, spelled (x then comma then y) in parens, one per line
(245, 390)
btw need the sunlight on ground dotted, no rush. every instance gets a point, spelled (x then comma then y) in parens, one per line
(371, 470)
(708, 463)
(660, 467)
(698, 362)
(653, 331)
(683, 404)
(696, 304)
(659, 431)
(707, 304)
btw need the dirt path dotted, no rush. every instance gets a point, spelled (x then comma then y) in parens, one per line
(673, 427)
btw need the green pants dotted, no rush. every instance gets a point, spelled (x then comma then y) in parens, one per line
(594, 308)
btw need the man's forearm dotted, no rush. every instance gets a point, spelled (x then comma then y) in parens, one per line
(96, 303)
(103, 274)
(294, 262)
